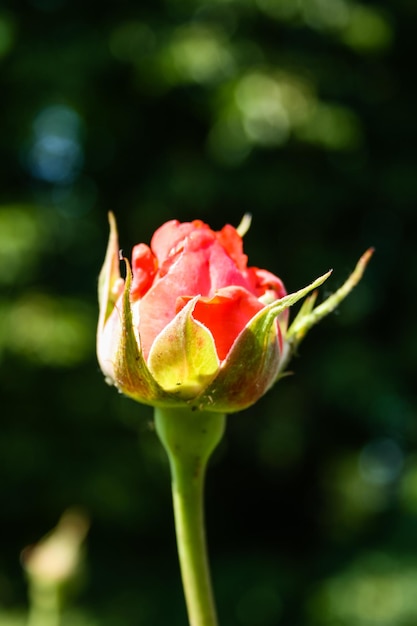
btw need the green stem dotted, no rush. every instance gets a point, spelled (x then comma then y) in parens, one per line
(189, 438)
(44, 605)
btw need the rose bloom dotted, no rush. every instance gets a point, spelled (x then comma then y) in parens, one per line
(191, 324)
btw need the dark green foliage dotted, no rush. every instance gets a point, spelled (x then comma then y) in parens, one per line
(302, 113)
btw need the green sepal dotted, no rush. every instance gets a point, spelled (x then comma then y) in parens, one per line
(132, 375)
(109, 275)
(252, 364)
(183, 358)
(310, 316)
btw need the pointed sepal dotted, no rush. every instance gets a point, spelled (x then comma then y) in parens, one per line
(131, 374)
(310, 316)
(109, 278)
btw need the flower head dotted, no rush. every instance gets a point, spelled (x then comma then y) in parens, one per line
(192, 324)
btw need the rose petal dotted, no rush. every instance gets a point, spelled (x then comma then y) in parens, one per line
(232, 242)
(199, 270)
(168, 239)
(263, 281)
(226, 315)
(144, 267)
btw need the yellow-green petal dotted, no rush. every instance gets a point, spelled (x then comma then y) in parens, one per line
(183, 358)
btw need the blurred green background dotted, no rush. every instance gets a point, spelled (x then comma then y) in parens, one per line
(303, 113)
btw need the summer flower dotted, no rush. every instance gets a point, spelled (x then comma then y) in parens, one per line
(197, 333)
(192, 324)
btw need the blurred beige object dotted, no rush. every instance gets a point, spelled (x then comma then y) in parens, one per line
(51, 563)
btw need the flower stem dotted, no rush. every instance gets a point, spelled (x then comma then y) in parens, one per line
(44, 605)
(189, 438)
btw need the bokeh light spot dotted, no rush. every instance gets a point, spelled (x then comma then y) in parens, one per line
(375, 590)
(131, 41)
(325, 14)
(381, 461)
(56, 154)
(198, 54)
(7, 35)
(265, 118)
(408, 486)
(49, 331)
(331, 126)
(21, 236)
(367, 30)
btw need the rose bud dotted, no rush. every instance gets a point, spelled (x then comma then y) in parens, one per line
(192, 325)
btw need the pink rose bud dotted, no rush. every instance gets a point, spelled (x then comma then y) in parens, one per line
(192, 324)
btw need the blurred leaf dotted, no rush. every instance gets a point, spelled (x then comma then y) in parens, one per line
(46, 330)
